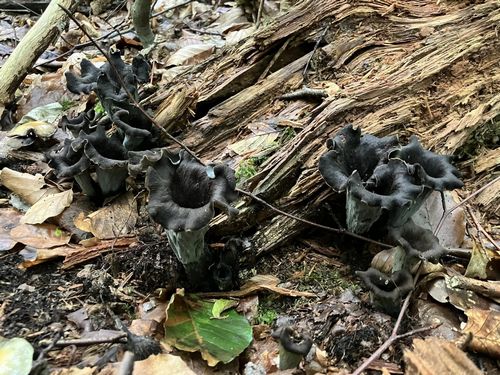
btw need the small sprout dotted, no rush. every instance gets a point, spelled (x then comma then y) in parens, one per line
(293, 347)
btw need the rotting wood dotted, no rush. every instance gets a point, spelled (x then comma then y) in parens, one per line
(35, 42)
(416, 67)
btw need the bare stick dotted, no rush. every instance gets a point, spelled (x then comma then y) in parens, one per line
(316, 46)
(127, 364)
(87, 342)
(131, 97)
(259, 14)
(291, 216)
(445, 214)
(482, 230)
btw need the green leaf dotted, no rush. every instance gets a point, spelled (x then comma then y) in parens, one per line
(16, 356)
(189, 327)
(220, 306)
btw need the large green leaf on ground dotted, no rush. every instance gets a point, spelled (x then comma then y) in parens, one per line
(190, 326)
(16, 356)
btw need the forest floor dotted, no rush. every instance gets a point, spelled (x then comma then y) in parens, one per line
(63, 295)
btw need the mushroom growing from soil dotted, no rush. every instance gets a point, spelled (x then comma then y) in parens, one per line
(387, 292)
(71, 162)
(293, 347)
(183, 195)
(105, 154)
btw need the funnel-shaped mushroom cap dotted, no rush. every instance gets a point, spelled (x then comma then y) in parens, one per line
(435, 171)
(392, 287)
(82, 122)
(183, 192)
(352, 152)
(103, 151)
(390, 186)
(68, 161)
(418, 243)
(293, 341)
(87, 80)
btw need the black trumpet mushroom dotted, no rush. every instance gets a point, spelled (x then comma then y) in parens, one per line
(293, 346)
(72, 162)
(183, 195)
(93, 152)
(109, 158)
(128, 74)
(387, 292)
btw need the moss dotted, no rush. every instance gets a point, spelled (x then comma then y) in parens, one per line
(98, 108)
(67, 104)
(249, 168)
(267, 315)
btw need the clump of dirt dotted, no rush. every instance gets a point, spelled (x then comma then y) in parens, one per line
(153, 265)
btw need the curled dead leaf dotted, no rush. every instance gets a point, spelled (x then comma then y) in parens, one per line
(42, 236)
(49, 206)
(484, 325)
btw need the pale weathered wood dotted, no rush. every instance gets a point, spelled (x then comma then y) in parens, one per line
(414, 67)
(34, 43)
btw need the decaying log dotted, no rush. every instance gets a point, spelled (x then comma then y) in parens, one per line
(415, 67)
(35, 42)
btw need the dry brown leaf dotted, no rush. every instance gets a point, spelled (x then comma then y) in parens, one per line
(191, 54)
(42, 236)
(25, 185)
(33, 257)
(117, 219)
(259, 283)
(49, 206)
(484, 325)
(157, 365)
(73, 255)
(483, 262)
(9, 218)
(437, 356)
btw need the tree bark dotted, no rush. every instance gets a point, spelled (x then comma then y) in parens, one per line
(35, 42)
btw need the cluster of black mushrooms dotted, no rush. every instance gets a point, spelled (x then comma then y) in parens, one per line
(384, 181)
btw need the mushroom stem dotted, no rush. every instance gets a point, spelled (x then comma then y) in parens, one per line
(111, 181)
(86, 184)
(189, 247)
(288, 359)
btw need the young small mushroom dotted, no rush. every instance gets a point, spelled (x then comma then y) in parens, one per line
(293, 347)
(183, 195)
(419, 243)
(387, 292)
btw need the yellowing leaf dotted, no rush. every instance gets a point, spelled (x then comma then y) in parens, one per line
(25, 185)
(41, 128)
(222, 305)
(49, 206)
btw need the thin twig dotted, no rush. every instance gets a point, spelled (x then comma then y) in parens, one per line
(480, 229)
(273, 60)
(316, 46)
(90, 341)
(445, 214)
(122, 84)
(292, 216)
(171, 8)
(259, 14)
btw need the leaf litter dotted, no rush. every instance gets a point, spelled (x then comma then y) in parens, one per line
(114, 226)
